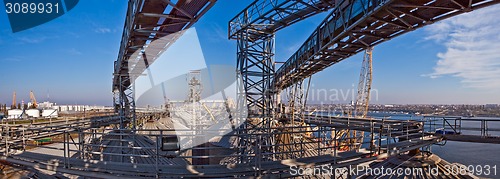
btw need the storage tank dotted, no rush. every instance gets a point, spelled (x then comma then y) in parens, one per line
(49, 113)
(33, 113)
(14, 113)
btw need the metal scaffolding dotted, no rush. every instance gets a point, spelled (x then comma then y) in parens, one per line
(256, 66)
(254, 29)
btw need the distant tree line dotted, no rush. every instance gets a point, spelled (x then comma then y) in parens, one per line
(16, 107)
(3, 108)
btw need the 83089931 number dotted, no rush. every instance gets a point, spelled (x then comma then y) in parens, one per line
(32, 8)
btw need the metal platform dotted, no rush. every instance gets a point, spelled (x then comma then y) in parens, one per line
(150, 164)
(103, 150)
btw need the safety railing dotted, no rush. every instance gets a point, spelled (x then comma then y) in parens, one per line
(379, 134)
(454, 125)
(106, 148)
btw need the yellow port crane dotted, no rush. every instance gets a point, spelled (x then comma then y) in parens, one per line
(34, 105)
(352, 139)
(364, 85)
(363, 97)
(13, 101)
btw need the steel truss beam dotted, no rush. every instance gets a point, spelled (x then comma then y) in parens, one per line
(146, 21)
(269, 16)
(355, 25)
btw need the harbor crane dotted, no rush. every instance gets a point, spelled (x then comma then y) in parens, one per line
(13, 101)
(363, 97)
(364, 85)
(34, 105)
(362, 102)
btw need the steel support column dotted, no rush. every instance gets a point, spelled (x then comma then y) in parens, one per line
(125, 103)
(256, 66)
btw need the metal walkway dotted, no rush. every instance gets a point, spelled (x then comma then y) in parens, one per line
(151, 26)
(149, 20)
(464, 129)
(271, 16)
(149, 160)
(271, 168)
(355, 25)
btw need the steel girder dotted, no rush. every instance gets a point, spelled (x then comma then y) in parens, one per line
(355, 25)
(272, 15)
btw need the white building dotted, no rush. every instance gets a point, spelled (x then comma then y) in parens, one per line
(75, 108)
(50, 113)
(14, 113)
(33, 113)
(78, 108)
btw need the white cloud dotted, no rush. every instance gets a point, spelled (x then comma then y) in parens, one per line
(33, 40)
(102, 30)
(473, 48)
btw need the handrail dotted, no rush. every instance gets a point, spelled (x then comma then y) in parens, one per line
(456, 124)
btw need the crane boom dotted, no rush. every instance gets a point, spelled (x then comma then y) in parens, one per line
(365, 85)
(363, 98)
(13, 101)
(33, 100)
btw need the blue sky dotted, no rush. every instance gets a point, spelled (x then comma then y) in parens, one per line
(71, 58)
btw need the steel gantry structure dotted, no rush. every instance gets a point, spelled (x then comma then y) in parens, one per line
(151, 26)
(351, 27)
(254, 29)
